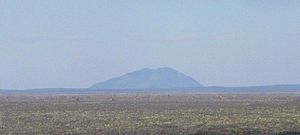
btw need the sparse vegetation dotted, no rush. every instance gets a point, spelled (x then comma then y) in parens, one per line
(191, 114)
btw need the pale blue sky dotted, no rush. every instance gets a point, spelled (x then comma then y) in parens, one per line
(76, 43)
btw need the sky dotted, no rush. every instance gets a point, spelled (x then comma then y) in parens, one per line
(76, 43)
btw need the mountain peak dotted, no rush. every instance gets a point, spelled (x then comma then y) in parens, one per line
(165, 68)
(148, 78)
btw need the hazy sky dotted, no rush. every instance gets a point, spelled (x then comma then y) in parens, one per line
(76, 43)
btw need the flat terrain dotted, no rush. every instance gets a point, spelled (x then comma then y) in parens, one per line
(114, 114)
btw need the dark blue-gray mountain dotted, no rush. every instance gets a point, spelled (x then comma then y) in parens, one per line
(147, 78)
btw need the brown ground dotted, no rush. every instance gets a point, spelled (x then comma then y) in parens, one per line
(149, 114)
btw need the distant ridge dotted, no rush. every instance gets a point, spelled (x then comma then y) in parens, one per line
(211, 89)
(160, 78)
(156, 80)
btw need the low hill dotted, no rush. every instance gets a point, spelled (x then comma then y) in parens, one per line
(147, 78)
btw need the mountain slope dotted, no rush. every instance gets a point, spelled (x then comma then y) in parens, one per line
(149, 79)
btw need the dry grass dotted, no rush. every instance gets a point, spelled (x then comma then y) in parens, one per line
(149, 114)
